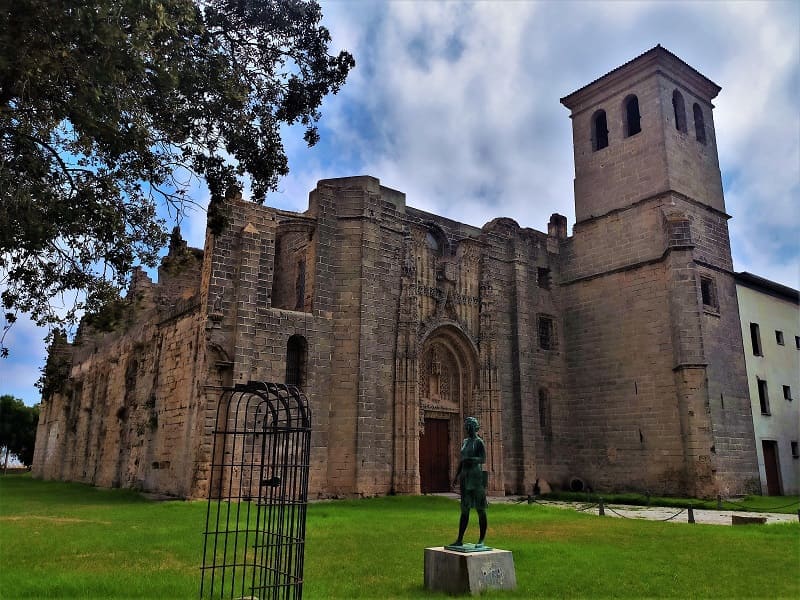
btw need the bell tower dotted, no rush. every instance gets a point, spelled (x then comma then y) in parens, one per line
(641, 130)
(655, 360)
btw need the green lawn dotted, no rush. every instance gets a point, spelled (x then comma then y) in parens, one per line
(70, 540)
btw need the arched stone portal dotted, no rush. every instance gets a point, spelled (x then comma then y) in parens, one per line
(447, 379)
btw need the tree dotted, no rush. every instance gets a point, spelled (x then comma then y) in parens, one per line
(110, 107)
(17, 429)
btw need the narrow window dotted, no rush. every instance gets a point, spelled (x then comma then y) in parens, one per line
(763, 397)
(779, 338)
(633, 119)
(699, 124)
(300, 285)
(708, 290)
(544, 408)
(787, 393)
(797, 341)
(543, 278)
(432, 242)
(296, 351)
(545, 420)
(795, 450)
(755, 338)
(547, 339)
(680, 111)
(599, 130)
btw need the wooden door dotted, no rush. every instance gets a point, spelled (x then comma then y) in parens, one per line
(771, 467)
(434, 457)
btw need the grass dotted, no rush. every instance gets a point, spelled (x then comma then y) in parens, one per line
(70, 540)
(787, 505)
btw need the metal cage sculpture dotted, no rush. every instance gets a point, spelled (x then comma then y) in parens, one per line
(258, 493)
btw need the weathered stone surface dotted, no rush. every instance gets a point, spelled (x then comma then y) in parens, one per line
(589, 356)
(469, 573)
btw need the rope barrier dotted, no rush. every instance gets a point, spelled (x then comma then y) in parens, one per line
(737, 506)
(683, 510)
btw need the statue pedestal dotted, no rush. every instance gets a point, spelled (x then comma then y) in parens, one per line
(457, 572)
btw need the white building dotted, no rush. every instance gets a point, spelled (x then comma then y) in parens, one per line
(770, 315)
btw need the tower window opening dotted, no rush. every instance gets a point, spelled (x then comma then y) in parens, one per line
(708, 291)
(680, 111)
(633, 119)
(599, 130)
(699, 124)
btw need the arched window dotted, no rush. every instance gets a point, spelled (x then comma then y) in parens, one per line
(633, 119)
(679, 110)
(436, 240)
(699, 123)
(433, 243)
(599, 130)
(296, 355)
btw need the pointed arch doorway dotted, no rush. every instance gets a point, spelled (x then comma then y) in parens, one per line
(448, 374)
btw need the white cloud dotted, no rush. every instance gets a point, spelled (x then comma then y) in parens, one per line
(457, 105)
(463, 103)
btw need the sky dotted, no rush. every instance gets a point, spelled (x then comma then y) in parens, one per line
(456, 104)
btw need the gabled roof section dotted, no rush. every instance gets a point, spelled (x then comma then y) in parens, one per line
(766, 286)
(657, 59)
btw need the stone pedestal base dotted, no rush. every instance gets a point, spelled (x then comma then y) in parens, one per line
(468, 573)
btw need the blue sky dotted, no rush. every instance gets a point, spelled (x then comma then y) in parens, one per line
(457, 105)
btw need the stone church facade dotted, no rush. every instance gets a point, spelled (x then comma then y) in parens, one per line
(613, 355)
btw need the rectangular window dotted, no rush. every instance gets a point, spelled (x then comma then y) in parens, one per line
(300, 286)
(543, 278)
(755, 338)
(779, 337)
(547, 339)
(763, 397)
(787, 392)
(797, 341)
(543, 408)
(795, 450)
(708, 290)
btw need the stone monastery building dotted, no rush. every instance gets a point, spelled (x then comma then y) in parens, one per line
(613, 355)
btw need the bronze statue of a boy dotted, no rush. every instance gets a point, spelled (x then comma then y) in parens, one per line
(472, 480)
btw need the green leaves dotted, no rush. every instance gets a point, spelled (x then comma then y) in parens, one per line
(18, 428)
(103, 102)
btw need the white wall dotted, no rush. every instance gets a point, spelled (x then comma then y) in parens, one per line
(779, 366)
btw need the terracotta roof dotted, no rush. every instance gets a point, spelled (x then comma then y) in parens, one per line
(652, 51)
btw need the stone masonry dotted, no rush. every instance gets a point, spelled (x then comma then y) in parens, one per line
(613, 356)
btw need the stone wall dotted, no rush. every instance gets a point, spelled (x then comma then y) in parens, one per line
(128, 416)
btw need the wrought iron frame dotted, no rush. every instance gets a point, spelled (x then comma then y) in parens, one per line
(254, 544)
